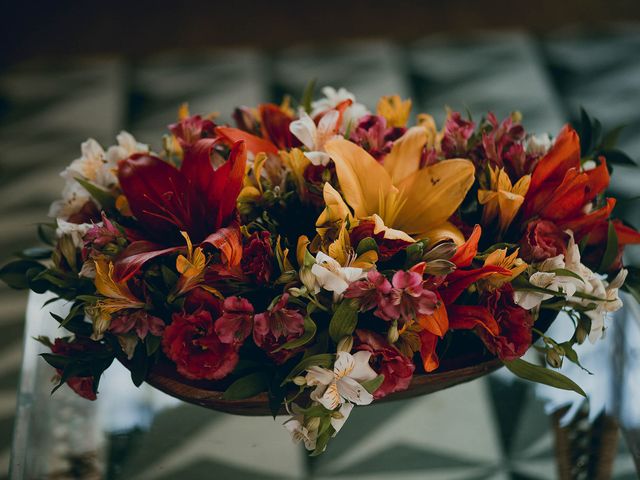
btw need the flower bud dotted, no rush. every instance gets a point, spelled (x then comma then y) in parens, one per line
(345, 344)
(581, 334)
(392, 334)
(442, 251)
(308, 279)
(297, 292)
(313, 424)
(439, 267)
(554, 358)
(300, 380)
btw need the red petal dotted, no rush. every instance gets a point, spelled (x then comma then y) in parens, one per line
(156, 192)
(467, 317)
(566, 199)
(598, 179)
(563, 155)
(132, 258)
(467, 251)
(459, 280)
(584, 224)
(254, 144)
(275, 126)
(428, 342)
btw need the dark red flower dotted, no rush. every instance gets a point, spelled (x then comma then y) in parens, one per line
(372, 134)
(191, 342)
(275, 327)
(257, 257)
(386, 248)
(369, 291)
(236, 322)
(457, 132)
(196, 199)
(83, 386)
(515, 325)
(386, 360)
(274, 125)
(192, 129)
(138, 320)
(543, 239)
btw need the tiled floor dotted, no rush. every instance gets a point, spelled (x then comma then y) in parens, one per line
(47, 109)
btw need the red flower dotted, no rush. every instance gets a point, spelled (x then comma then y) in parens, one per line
(370, 291)
(274, 125)
(277, 326)
(138, 320)
(408, 298)
(192, 129)
(563, 193)
(457, 132)
(372, 134)
(386, 248)
(196, 198)
(83, 386)
(386, 360)
(515, 325)
(191, 342)
(257, 257)
(236, 323)
(543, 239)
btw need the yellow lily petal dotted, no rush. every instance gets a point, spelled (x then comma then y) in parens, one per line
(335, 211)
(366, 261)
(394, 110)
(389, 233)
(444, 231)
(340, 249)
(404, 158)
(362, 178)
(433, 194)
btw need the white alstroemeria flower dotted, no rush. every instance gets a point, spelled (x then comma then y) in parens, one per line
(343, 384)
(75, 230)
(96, 166)
(611, 303)
(314, 137)
(127, 146)
(546, 278)
(301, 432)
(332, 98)
(538, 145)
(333, 277)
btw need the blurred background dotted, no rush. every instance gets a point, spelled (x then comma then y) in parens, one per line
(70, 70)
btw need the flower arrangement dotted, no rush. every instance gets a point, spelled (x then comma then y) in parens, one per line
(327, 255)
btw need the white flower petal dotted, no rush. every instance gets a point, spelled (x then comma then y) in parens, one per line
(353, 392)
(318, 158)
(345, 411)
(362, 371)
(304, 129)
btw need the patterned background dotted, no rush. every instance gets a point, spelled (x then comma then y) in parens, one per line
(47, 109)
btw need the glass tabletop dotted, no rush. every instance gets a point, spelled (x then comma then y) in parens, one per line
(494, 427)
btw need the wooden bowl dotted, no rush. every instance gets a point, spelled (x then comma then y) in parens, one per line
(463, 360)
(209, 394)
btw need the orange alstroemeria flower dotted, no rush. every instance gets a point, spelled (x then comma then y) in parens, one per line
(560, 190)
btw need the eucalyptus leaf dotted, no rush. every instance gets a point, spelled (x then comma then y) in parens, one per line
(310, 330)
(247, 386)
(344, 320)
(611, 251)
(372, 385)
(538, 374)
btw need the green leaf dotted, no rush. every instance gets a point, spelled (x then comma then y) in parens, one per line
(373, 384)
(618, 157)
(139, 365)
(47, 233)
(611, 251)
(414, 252)
(20, 273)
(152, 343)
(610, 138)
(321, 359)
(344, 320)
(103, 197)
(535, 373)
(563, 272)
(247, 386)
(585, 132)
(365, 245)
(310, 330)
(307, 95)
(56, 361)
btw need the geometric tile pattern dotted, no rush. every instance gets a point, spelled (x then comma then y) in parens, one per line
(500, 431)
